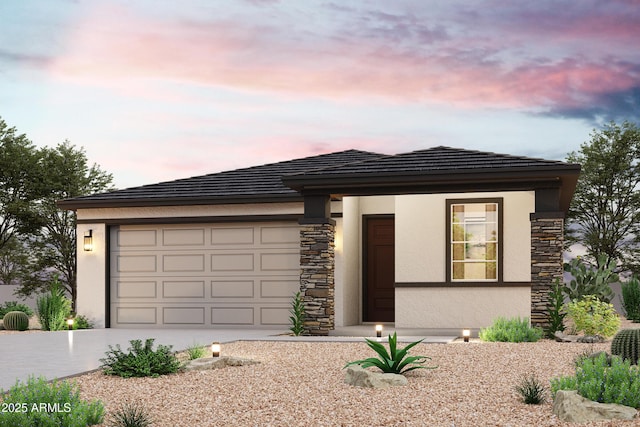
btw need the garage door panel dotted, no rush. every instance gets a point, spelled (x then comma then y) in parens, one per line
(183, 237)
(232, 289)
(183, 315)
(232, 236)
(274, 315)
(136, 238)
(136, 264)
(232, 316)
(270, 235)
(183, 289)
(232, 262)
(188, 263)
(204, 275)
(279, 288)
(136, 315)
(136, 289)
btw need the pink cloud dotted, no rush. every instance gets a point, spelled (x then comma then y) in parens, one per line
(116, 45)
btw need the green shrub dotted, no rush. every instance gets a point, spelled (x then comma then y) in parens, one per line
(563, 383)
(53, 308)
(82, 322)
(556, 310)
(396, 361)
(531, 390)
(43, 404)
(626, 344)
(590, 281)
(16, 321)
(130, 415)
(140, 361)
(631, 299)
(594, 317)
(297, 315)
(14, 306)
(196, 351)
(510, 330)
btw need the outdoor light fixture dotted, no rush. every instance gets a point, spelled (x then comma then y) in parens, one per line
(70, 323)
(215, 349)
(378, 331)
(466, 333)
(88, 241)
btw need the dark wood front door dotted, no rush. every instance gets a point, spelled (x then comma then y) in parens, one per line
(379, 270)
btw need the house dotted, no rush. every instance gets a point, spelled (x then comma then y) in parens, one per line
(440, 238)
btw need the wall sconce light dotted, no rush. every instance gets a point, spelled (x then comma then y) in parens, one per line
(378, 331)
(466, 333)
(70, 323)
(215, 349)
(88, 241)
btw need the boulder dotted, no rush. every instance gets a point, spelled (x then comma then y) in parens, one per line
(570, 406)
(217, 363)
(357, 376)
(562, 337)
(591, 339)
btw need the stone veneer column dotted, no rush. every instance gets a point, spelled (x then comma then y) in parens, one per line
(547, 237)
(317, 263)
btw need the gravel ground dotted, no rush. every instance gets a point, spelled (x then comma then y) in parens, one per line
(302, 384)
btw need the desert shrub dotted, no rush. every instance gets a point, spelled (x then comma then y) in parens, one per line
(531, 390)
(44, 404)
(297, 315)
(196, 351)
(15, 306)
(631, 299)
(130, 414)
(590, 281)
(510, 330)
(396, 361)
(141, 360)
(82, 322)
(594, 317)
(53, 308)
(597, 380)
(556, 310)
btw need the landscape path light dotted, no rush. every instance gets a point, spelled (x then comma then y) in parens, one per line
(466, 333)
(215, 349)
(378, 331)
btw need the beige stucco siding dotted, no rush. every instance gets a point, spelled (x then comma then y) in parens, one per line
(91, 274)
(421, 240)
(421, 257)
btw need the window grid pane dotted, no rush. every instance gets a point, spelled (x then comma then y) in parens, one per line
(474, 241)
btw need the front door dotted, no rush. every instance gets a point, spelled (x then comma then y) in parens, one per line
(379, 269)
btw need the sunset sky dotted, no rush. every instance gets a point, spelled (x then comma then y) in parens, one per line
(156, 90)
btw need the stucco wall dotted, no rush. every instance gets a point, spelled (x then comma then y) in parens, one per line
(92, 274)
(421, 257)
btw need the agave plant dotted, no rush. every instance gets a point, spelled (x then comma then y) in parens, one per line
(395, 361)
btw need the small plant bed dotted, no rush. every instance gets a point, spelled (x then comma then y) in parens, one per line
(141, 360)
(511, 330)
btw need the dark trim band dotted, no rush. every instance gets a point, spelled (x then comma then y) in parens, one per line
(462, 284)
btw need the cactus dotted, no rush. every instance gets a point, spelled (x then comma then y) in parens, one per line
(626, 344)
(16, 321)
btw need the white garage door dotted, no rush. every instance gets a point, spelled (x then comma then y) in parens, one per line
(204, 276)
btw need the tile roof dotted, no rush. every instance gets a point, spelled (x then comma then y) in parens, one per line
(437, 160)
(244, 184)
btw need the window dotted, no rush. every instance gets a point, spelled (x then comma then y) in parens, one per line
(474, 240)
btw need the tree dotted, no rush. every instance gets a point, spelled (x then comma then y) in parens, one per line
(605, 212)
(18, 169)
(65, 173)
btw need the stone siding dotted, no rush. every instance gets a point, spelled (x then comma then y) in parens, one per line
(317, 284)
(546, 264)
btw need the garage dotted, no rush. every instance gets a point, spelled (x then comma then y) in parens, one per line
(203, 275)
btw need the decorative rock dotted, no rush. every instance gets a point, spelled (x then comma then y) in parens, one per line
(217, 363)
(357, 376)
(562, 337)
(570, 406)
(590, 339)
